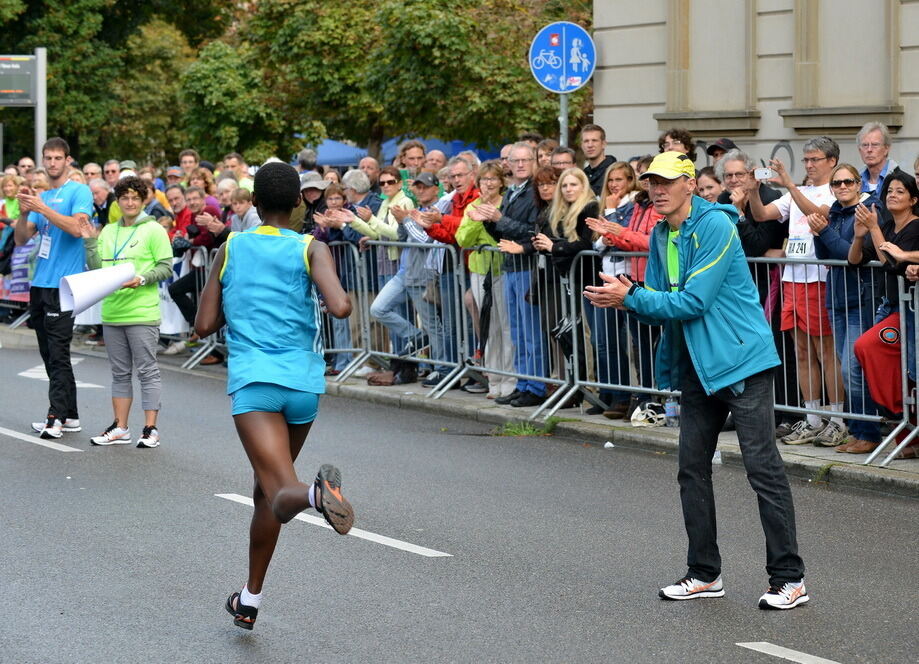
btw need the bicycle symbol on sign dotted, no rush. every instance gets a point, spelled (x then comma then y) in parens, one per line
(547, 58)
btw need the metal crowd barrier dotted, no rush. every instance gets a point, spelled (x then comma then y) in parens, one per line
(908, 306)
(216, 340)
(518, 320)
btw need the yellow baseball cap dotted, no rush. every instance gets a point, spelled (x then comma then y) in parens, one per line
(670, 165)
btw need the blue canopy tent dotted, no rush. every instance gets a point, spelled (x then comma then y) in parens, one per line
(336, 153)
(390, 148)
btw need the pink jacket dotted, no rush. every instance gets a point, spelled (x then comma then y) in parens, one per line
(635, 237)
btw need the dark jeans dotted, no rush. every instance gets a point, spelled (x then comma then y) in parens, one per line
(701, 419)
(184, 292)
(54, 330)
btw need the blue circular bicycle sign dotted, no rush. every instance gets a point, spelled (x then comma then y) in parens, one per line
(562, 57)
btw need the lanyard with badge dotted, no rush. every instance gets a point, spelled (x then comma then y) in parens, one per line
(118, 250)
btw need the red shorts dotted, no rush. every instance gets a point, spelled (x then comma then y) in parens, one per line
(804, 307)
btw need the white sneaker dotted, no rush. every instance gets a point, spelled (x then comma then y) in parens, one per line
(51, 429)
(114, 435)
(802, 433)
(175, 348)
(150, 437)
(790, 595)
(69, 425)
(690, 588)
(833, 434)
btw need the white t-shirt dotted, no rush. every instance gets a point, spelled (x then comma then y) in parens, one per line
(800, 238)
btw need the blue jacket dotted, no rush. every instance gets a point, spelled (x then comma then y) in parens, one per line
(726, 332)
(848, 287)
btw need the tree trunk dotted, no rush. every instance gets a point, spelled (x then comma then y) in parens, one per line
(375, 144)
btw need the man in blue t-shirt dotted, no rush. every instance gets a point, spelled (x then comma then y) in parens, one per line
(56, 217)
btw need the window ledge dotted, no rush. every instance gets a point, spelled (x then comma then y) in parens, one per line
(711, 124)
(841, 119)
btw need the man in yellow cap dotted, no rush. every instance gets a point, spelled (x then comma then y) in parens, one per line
(717, 349)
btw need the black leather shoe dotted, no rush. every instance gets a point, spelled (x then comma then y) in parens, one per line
(504, 401)
(526, 400)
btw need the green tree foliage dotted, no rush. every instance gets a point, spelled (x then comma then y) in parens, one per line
(229, 106)
(150, 100)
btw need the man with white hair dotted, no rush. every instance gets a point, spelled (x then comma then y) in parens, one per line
(371, 168)
(873, 142)
(434, 161)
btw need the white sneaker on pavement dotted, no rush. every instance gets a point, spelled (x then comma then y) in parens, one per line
(69, 425)
(52, 429)
(175, 348)
(790, 595)
(150, 437)
(114, 435)
(802, 433)
(833, 434)
(690, 588)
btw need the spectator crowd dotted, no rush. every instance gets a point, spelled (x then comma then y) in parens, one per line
(457, 258)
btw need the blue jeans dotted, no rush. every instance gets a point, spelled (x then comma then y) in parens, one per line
(701, 419)
(341, 338)
(526, 332)
(386, 309)
(608, 336)
(448, 315)
(397, 342)
(848, 325)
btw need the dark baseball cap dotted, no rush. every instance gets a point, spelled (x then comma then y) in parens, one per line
(721, 144)
(427, 180)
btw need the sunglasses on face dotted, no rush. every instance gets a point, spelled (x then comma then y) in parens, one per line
(845, 181)
(385, 183)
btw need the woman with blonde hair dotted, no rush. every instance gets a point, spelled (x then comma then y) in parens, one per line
(564, 237)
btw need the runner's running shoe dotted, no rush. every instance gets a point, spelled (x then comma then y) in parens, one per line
(69, 425)
(790, 595)
(690, 588)
(330, 503)
(243, 616)
(114, 435)
(150, 437)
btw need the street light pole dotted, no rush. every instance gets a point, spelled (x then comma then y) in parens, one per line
(41, 100)
(563, 120)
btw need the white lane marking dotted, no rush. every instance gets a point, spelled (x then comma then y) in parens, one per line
(785, 653)
(39, 373)
(35, 440)
(356, 532)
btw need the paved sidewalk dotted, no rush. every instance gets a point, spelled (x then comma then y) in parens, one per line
(819, 464)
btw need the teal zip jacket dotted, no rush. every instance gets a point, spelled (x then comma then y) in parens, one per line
(716, 302)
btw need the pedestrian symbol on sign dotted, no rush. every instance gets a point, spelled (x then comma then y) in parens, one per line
(578, 59)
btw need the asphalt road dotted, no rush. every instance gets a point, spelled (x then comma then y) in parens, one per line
(556, 549)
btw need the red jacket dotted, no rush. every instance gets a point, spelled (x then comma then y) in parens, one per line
(636, 236)
(184, 219)
(445, 231)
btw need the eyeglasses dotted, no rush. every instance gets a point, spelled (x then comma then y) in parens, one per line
(521, 161)
(871, 146)
(736, 176)
(386, 183)
(673, 142)
(812, 160)
(489, 179)
(835, 184)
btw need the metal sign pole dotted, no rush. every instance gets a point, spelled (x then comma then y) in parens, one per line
(41, 98)
(563, 120)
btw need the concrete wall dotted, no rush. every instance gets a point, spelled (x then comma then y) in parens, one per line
(767, 73)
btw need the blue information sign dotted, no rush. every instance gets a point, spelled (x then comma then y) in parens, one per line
(562, 57)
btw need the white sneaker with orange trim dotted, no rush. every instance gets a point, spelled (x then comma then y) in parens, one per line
(790, 595)
(690, 588)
